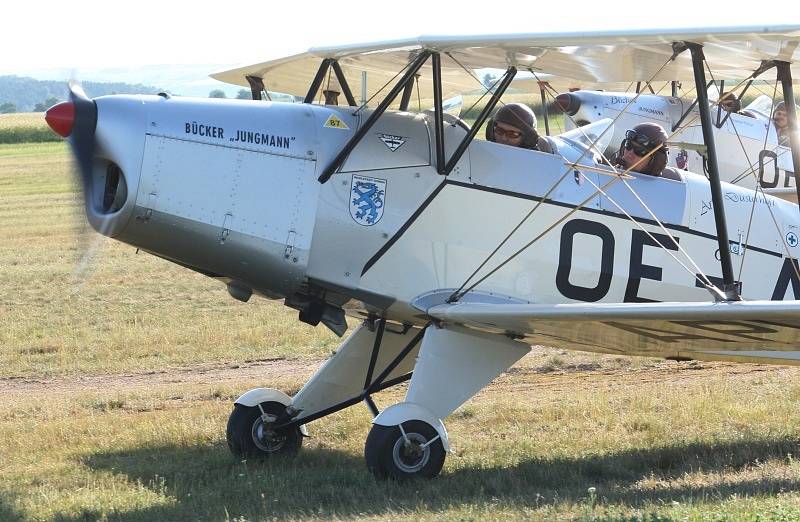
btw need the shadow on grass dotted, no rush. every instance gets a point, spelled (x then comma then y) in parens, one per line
(207, 483)
(6, 511)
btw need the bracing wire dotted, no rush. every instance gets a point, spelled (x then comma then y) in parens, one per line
(697, 274)
(461, 290)
(705, 280)
(758, 188)
(392, 79)
(749, 170)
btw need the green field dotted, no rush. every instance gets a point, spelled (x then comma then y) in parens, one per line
(118, 371)
(25, 128)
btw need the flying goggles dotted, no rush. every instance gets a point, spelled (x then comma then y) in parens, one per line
(639, 143)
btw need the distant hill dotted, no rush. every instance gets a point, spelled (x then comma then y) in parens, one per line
(25, 93)
(181, 80)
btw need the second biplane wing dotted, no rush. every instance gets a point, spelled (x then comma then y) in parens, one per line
(745, 331)
(612, 56)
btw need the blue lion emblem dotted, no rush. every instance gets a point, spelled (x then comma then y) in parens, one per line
(367, 201)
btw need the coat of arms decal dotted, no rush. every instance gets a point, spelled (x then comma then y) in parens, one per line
(367, 197)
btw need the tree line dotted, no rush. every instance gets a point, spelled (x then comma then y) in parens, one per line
(22, 94)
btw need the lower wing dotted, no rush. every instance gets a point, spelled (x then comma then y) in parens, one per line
(745, 331)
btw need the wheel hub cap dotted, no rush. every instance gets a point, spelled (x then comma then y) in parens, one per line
(264, 437)
(413, 455)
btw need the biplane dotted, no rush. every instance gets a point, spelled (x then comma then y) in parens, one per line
(746, 139)
(454, 253)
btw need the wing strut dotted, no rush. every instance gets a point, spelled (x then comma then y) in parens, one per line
(408, 90)
(501, 88)
(323, 69)
(438, 112)
(785, 76)
(348, 94)
(404, 85)
(729, 287)
(379, 110)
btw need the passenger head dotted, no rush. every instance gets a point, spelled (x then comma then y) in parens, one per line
(780, 117)
(514, 124)
(638, 142)
(730, 102)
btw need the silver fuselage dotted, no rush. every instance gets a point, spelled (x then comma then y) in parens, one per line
(229, 188)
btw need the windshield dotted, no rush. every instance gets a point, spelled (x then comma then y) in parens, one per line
(762, 104)
(595, 136)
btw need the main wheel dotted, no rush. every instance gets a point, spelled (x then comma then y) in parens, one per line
(419, 453)
(250, 433)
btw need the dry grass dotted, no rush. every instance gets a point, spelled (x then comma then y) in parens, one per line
(22, 119)
(74, 302)
(707, 446)
(562, 436)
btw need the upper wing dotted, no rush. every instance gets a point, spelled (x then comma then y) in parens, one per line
(618, 56)
(752, 331)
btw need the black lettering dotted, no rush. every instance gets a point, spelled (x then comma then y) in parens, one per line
(203, 130)
(188, 128)
(716, 281)
(220, 132)
(249, 137)
(788, 273)
(761, 168)
(568, 232)
(637, 270)
(257, 138)
(272, 141)
(787, 177)
(194, 127)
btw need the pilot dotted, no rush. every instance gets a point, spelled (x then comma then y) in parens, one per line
(515, 124)
(781, 120)
(638, 142)
(331, 96)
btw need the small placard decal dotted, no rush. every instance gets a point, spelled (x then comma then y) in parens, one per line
(334, 122)
(392, 141)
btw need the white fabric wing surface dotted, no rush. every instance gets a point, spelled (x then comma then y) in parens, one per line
(732, 53)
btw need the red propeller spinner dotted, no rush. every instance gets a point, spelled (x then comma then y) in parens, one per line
(61, 118)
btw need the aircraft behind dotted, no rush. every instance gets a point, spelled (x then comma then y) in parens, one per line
(749, 153)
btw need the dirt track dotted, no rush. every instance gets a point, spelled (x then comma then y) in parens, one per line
(210, 373)
(529, 374)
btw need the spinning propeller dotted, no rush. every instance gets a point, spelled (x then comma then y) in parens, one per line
(76, 121)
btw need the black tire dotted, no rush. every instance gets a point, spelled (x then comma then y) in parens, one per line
(249, 436)
(388, 456)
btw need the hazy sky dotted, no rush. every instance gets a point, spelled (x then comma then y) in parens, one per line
(91, 33)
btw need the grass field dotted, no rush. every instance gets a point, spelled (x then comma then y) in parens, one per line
(25, 128)
(118, 371)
